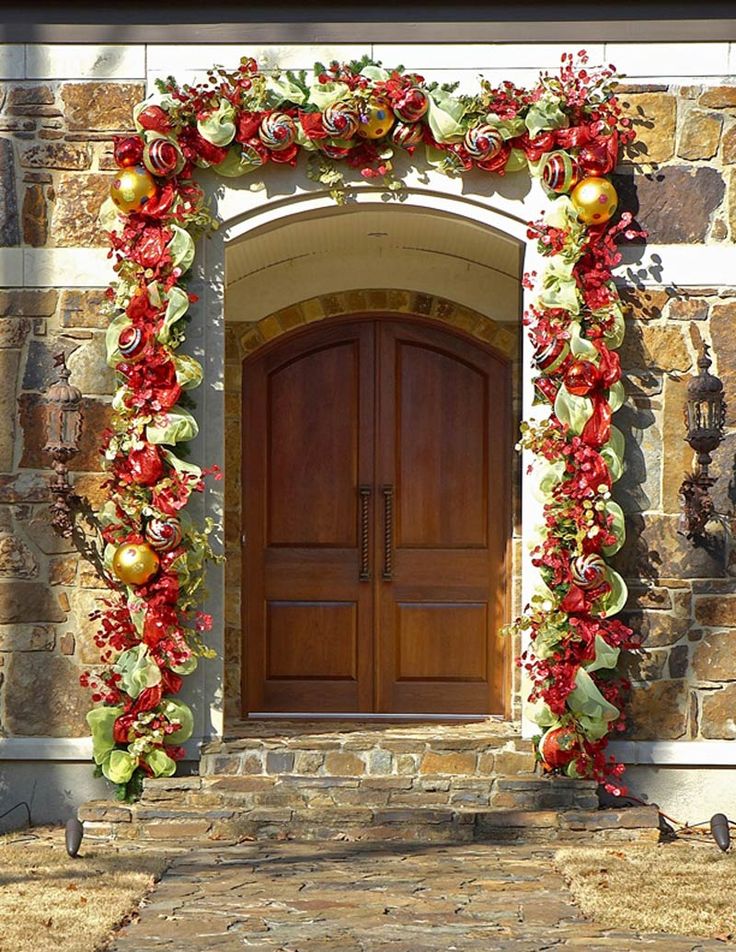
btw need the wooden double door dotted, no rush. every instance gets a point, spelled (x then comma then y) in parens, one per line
(376, 518)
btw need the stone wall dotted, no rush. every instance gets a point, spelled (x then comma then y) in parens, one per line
(55, 160)
(680, 179)
(55, 157)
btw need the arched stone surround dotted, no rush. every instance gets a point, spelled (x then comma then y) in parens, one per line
(241, 341)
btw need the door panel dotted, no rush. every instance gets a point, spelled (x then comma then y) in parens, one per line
(417, 419)
(307, 446)
(441, 421)
(441, 443)
(311, 448)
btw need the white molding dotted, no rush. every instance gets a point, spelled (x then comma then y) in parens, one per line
(67, 748)
(678, 265)
(61, 61)
(671, 753)
(661, 753)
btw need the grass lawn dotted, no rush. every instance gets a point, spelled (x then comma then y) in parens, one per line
(50, 901)
(685, 887)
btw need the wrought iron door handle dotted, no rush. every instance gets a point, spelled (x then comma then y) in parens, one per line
(365, 569)
(388, 533)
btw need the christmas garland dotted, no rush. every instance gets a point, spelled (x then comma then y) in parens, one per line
(567, 131)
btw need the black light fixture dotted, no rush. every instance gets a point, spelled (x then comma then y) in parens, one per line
(720, 829)
(74, 831)
(63, 408)
(705, 417)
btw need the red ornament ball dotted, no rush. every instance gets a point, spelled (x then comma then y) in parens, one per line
(550, 356)
(154, 119)
(595, 160)
(411, 105)
(127, 150)
(132, 343)
(559, 172)
(581, 378)
(145, 465)
(161, 157)
(558, 747)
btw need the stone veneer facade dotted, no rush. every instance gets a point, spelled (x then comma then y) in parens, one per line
(55, 163)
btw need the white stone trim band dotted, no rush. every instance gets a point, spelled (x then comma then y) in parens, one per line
(671, 753)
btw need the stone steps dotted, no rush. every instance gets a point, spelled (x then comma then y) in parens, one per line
(520, 792)
(184, 826)
(454, 782)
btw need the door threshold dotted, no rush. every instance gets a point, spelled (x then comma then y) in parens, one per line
(359, 716)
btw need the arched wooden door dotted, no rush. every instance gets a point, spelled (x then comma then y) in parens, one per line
(376, 517)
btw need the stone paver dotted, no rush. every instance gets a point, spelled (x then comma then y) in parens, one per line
(348, 897)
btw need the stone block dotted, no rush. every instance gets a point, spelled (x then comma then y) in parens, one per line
(700, 135)
(16, 559)
(631, 818)
(308, 761)
(719, 97)
(83, 309)
(716, 611)
(657, 628)
(89, 369)
(27, 637)
(43, 696)
(658, 711)
(718, 719)
(728, 151)
(644, 304)
(28, 602)
(654, 549)
(180, 830)
(35, 216)
(688, 309)
(678, 458)
(343, 764)
(653, 597)
(104, 107)
(57, 155)
(9, 364)
(13, 331)
(655, 347)
(27, 302)
(279, 761)
(452, 762)
(722, 323)
(380, 762)
(653, 116)
(714, 658)
(74, 222)
(102, 811)
(9, 218)
(514, 762)
(675, 206)
(678, 663)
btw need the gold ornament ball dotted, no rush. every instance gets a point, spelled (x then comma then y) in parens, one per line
(132, 188)
(595, 200)
(376, 119)
(135, 563)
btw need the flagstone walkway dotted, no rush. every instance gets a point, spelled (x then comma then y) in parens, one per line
(357, 897)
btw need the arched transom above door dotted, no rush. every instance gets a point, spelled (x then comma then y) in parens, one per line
(501, 337)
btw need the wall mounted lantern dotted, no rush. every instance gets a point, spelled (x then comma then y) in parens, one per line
(64, 419)
(705, 417)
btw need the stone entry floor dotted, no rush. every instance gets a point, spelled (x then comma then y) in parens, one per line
(356, 897)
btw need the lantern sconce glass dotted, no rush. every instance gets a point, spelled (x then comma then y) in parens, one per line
(64, 417)
(705, 417)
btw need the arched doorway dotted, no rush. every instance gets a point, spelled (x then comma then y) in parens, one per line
(376, 520)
